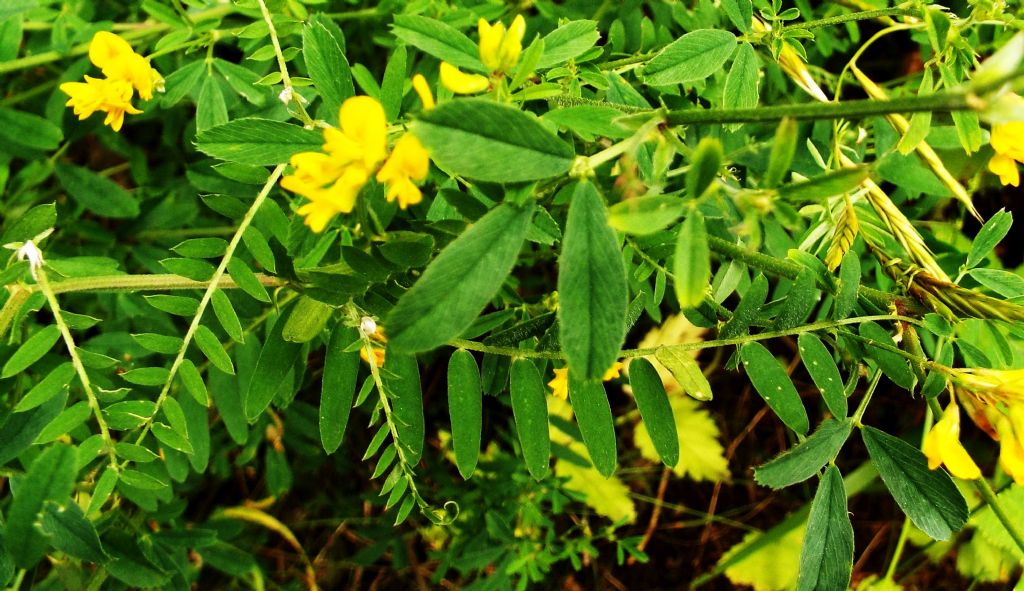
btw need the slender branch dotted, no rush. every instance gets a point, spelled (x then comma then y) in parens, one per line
(850, 17)
(212, 287)
(1009, 523)
(863, 406)
(76, 361)
(153, 282)
(282, 65)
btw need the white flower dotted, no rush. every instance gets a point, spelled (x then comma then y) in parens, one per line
(30, 251)
(286, 95)
(368, 326)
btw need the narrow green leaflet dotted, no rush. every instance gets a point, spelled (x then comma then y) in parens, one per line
(27, 130)
(393, 84)
(704, 165)
(341, 368)
(740, 13)
(211, 110)
(594, 417)
(893, 365)
(20, 429)
(96, 193)
(799, 301)
(402, 383)
(226, 316)
(70, 532)
(592, 289)
(568, 41)
(31, 350)
(29, 224)
(306, 322)
(655, 409)
(824, 372)
(929, 497)
(326, 62)
(773, 384)
(691, 263)
(275, 361)
(806, 458)
(258, 142)
(193, 382)
(439, 40)
(826, 560)
(210, 345)
(990, 235)
(849, 284)
(53, 384)
(747, 310)
(475, 265)
(51, 477)
(530, 410)
(465, 407)
(487, 141)
(686, 371)
(826, 185)
(645, 215)
(741, 90)
(691, 58)
(781, 156)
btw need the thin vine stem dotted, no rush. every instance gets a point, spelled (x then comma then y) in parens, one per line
(850, 17)
(150, 282)
(208, 294)
(76, 361)
(282, 65)
(863, 406)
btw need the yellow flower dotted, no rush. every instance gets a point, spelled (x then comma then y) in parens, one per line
(363, 136)
(409, 161)
(1011, 449)
(460, 82)
(1008, 142)
(419, 84)
(560, 384)
(113, 97)
(378, 356)
(992, 385)
(942, 446)
(327, 198)
(118, 61)
(500, 48)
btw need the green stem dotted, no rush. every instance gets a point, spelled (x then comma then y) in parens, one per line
(630, 353)
(863, 406)
(44, 286)
(282, 65)
(154, 282)
(133, 35)
(851, 17)
(1010, 524)
(212, 286)
(18, 296)
(566, 100)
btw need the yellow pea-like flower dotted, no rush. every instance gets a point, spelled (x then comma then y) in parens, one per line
(1011, 451)
(118, 61)
(363, 133)
(560, 384)
(113, 97)
(942, 447)
(422, 88)
(1008, 142)
(460, 82)
(500, 47)
(408, 162)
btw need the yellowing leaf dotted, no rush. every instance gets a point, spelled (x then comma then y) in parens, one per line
(701, 455)
(676, 330)
(873, 583)
(985, 562)
(773, 567)
(606, 496)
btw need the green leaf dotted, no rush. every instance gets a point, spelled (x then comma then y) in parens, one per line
(822, 187)
(96, 193)
(849, 284)
(53, 384)
(741, 84)
(568, 41)
(69, 419)
(686, 371)
(326, 62)
(51, 477)
(226, 316)
(20, 429)
(129, 414)
(171, 438)
(401, 376)
(806, 458)
(31, 350)
(704, 166)
(242, 80)
(210, 345)
(341, 368)
(592, 289)
(748, 310)
(30, 224)
(247, 280)
(691, 58)
(259, 248)
(894, 366)
(475, 265)
(465, 402)
(928, 497)
(823, 370)
(211, 110)
(826, 560)
(740, 13)
(594, 417)
(26, 130)
(781, 156)
(439, 40)
(191, 268)
(201, 248)
(655, 409)
(920, 123)
(177, 305)
(258, 142)
(193, 382)
(530, 410)
(146, 376)
(275, 361)
(645, 215)
(487, 141)
(990, 235)
(307, 321)
(70, 532)
(393, 83)
(691, 264)
(181, 82)
(799, 301)
(773, 384)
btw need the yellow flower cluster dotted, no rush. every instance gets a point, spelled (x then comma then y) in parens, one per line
(942, 446)
(125, 71)
(1008, 142)
(560, 384)
(499, 51)
(332, 179)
